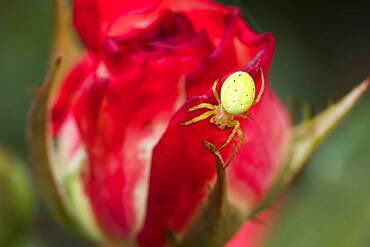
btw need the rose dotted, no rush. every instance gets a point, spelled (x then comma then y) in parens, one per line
(118, 110)
(111, 148)
(131, 171)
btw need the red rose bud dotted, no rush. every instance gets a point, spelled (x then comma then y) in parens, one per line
(124, 161)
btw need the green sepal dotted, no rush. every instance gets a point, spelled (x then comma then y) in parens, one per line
(42, 152)
(306, 138)
(63, 192)
(218, 220)
(65, 44)
(80, 204)
(65, 48)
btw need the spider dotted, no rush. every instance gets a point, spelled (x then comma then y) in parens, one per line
(237, 96)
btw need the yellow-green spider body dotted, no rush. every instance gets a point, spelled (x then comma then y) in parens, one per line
(237, 96)
(237, 93)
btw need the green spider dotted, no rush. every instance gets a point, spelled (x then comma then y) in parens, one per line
(237, 96)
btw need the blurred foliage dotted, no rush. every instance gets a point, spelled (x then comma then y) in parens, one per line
(330, 204)
(25, 28)
(322, 51)
(17, 201)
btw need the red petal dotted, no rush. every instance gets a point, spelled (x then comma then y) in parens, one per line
(267, 135)
(92, 17)
(68, 93)
(87, 20)
(129, 115)
(204, 14)
(120, 124)
(215, 66)
(95, 19)
(239, 49)
(170, 34)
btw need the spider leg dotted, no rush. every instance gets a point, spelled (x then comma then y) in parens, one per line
(202, 105)
(258, 98)
(200, 117)
(231, 136)
(245, 115)
(237, 130)
(214, 90)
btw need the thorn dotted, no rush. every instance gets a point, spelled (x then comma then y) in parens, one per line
(171, 237)
(330, 102)
(293, 104)
(34, 92)
(308, 111)
(58, 61)
(259, 221)
(50, 80)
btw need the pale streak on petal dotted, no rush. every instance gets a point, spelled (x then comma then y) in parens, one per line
(182, 93)
(102, 71)
(242, 203)
(68, 144)
(145, 150)
(142, 188)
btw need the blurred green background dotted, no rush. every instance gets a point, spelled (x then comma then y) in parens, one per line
(322, 51)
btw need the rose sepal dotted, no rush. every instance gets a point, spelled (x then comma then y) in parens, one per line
(306, 139)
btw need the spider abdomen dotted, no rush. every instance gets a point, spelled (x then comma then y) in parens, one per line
(237, 93)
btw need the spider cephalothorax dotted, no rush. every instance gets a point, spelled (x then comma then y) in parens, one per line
(237, 96)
